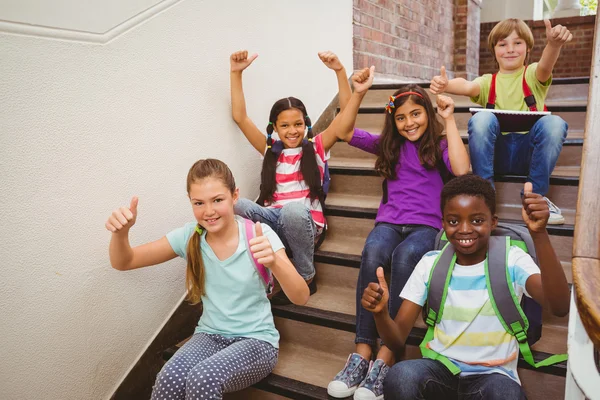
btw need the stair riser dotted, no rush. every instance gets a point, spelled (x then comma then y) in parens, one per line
(569, 155)
(348, 236)
(374, 122)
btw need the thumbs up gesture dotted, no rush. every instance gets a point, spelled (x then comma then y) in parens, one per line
(557, 35)
(261, 247)
(240, 61)
(376, 295)
(439, 83)
(535, 210)
(122, 219)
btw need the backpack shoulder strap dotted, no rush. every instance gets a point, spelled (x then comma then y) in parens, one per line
(266, 275)
(439, 279)
(492, 95)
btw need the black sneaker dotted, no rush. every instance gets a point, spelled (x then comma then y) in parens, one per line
(280, 298)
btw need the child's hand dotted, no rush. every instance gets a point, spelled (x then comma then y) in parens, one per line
(376, 295)
(363, 79)
(439, 83)
(445, 106)
(261, 248)
(331, 60)
(535, 210)
(122, 219)
(240, 60)
(558, 35)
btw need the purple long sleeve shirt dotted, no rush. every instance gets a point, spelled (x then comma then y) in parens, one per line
(414, 197)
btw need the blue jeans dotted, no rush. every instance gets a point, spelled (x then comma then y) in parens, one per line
(429, 379)
(533, 154)
(294, 226)
(399, 248)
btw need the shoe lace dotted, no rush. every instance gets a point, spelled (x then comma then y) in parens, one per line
(553, 208)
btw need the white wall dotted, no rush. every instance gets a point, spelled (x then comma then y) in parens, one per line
(85, 125)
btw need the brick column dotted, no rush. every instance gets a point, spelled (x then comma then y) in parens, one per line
(467, 15)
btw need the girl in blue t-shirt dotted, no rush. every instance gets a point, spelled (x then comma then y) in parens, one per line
(235, 344)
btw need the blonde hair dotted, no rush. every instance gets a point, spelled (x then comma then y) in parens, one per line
(194, 277)
(504, 29)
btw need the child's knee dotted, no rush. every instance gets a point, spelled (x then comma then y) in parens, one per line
(482, 122)
(401, 382)
(553, 128)
(204, 382)
(295, 213)
(169, 380)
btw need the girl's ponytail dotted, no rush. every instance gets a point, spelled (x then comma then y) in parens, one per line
(267, 174)
(309, 167)
(194, 276)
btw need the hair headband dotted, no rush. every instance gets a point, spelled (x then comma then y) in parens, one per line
(391, 104)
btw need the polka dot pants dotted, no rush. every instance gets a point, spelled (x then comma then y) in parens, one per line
(209, 365)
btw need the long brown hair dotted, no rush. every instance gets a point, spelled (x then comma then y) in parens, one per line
(308, 163)
(390, 142)
(194, 276)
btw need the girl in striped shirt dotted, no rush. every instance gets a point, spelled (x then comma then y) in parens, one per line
(291, 191)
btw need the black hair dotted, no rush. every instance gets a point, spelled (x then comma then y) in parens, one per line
(430, 153)
(470, 185)
(308, 163)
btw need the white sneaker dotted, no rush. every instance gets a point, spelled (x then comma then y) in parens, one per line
(556, 217)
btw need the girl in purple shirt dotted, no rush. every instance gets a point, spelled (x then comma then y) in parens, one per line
(415, 159)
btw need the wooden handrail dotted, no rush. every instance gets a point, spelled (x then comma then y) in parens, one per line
(586, 244)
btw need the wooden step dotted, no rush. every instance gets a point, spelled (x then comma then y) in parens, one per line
(253, 394)
(574, 95)
(372, 120)
(347, 235)
(337, 293)
(328, 349)
(342, 152)
(344, 184)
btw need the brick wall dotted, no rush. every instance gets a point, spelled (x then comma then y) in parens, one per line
(575, 57)
(466, 38)
(404, 39)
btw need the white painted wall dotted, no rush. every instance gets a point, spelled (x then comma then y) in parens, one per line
(495, 10)
(84, 126)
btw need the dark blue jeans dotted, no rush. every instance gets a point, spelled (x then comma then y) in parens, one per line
(533, 154)
(429, 379)
(395, 247)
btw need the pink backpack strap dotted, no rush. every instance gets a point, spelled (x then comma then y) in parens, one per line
(266, 276)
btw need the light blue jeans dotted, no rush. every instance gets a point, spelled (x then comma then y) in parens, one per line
(533, 154)
(294, 226)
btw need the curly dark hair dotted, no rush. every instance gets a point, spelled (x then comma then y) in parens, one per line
(470, 185)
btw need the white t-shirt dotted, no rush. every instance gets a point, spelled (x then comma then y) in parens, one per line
(470, 334)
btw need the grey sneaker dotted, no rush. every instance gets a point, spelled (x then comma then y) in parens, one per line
(556, 217)
(347, 380)
(372, 387)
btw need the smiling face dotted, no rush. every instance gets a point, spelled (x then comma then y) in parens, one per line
(411, 120)
(212, 203)
(510, 53)
(468, 223)
(290, 127)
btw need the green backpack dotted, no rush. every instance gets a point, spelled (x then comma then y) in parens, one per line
(501, 293)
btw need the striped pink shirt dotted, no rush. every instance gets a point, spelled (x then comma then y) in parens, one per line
(290, 183)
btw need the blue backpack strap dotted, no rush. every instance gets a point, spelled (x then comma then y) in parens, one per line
(264, 273)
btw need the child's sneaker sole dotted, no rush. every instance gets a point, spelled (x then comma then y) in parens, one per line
(339, 390)
(556, 220)
(366, 394)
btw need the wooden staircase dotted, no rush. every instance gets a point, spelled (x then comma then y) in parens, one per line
(316, 339)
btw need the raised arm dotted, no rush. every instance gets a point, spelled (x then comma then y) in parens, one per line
(332, 62)
(239, 62)
(342, 126)
(440, 84)
(393, 332)
(556, 37)
(122, 256)
(550, 287)
(459, 158)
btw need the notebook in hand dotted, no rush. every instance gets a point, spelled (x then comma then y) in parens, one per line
(514, 121)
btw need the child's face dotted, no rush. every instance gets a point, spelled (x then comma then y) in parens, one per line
(212, 203)
(510, 53)
(468, 223)
(290, 127)
(411, 120)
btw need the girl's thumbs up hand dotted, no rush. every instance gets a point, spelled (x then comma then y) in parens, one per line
(376, 295)
(261, 248)
(122, 219)
(240, 60)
